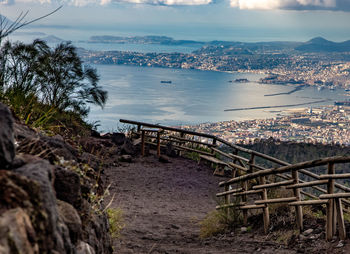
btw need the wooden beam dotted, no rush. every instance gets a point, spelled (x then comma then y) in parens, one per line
(308, 202)
(335, 195)
(330, 204)
(297, 166)
(252, 207)
(298, 209)
(249, 192)
(228, 192)
(340, 219)
(271, 185)
(307, 184)
(335, 176)
(276, 200)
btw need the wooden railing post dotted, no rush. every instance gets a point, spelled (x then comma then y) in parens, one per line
(227, 200)
(298, 208)
(143, 142)
(266, 215)
(158, 143)
(138, 128)
(330, 204)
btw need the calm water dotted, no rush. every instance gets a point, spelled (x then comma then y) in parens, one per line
(193, 96)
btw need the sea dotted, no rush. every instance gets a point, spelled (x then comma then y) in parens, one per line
(192, 97)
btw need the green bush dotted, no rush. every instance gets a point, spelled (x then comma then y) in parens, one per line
(116, 221)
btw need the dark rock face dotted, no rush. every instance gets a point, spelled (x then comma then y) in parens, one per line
(128, 148)
(71, 218)
(7, 147)
(32, 219)
(41, 171)
(17, 233)
(118, 138)
(67, 186)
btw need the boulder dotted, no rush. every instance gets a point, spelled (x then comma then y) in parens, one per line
(164, 159)
(57, 234)
(125, 158)
(7, 146)
(84, 248)
(127, 148)
(17, 234)
(118, 138)
(71, 218)
(67, 186)
(170, 151)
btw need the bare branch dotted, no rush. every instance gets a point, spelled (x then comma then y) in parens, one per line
(6, 28)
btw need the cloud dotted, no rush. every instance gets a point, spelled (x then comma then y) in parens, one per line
(334, 5)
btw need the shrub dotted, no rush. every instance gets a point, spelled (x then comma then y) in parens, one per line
(116, 221)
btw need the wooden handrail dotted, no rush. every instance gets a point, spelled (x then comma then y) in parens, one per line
(255, 180)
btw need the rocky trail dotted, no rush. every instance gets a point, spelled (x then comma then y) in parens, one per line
(163, 204)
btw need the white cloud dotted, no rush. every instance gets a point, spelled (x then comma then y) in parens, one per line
(292, 4)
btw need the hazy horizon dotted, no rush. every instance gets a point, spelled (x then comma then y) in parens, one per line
(205, 20)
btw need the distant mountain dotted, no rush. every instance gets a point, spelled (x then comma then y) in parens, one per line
(320, 44)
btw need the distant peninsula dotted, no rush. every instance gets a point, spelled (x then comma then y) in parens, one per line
(317, 62)
(150, 39)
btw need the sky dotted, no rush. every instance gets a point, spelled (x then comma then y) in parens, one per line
(245, 20)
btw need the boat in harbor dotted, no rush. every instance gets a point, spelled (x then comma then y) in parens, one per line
(342, 103)
(165, 81)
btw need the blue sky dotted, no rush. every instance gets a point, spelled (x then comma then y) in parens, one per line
(196, 19)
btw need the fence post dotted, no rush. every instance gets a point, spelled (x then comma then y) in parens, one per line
(340, 218)
(158, 143)
(298, 208)
(330, 204)
(143, 142)
(266, 215)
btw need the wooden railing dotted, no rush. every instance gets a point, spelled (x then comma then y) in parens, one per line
(251, 181)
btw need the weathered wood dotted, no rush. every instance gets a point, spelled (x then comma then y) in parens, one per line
(167, 128)
(307, 184)
(244, 193)
(276, 200)
(272, 185)
(298, 209)
(192, 150)
(228, 192)
(330, 204)
(335, 195)
(252, 207)
(266, 215)
(308, 194)
(190, 141)
(158, 144)
(212, 159)
(238, 157)
(335, 176)
(143, 143)
(340, 219)
(235, 166)
(297, 166)
(308, 202)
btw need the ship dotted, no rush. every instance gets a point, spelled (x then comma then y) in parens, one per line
(342, 103)
(165, 81)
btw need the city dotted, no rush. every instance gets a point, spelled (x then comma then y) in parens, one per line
(322, 125)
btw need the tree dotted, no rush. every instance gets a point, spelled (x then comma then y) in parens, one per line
(66, 83)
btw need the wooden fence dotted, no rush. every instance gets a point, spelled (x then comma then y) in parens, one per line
(251, 181)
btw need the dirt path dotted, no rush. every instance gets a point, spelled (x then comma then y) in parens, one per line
(162, 205)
